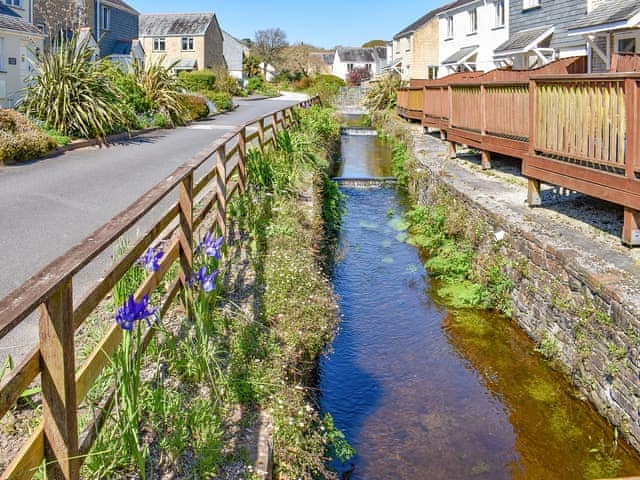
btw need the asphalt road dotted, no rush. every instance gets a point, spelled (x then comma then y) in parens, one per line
(48, 206)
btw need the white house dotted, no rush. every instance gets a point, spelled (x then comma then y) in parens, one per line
(347, 60)
(470, 31)
(234, 54)
(19, 38)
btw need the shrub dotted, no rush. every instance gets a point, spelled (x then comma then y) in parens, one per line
(197, 81)
(383, 93)
(132, 93)
(255, 83)
(194, 106)
(222, 100)
(71, 93)
(303, 83)
(161, 88)
(225, 83)
(161, 120)
(20, 139)
(326, 87)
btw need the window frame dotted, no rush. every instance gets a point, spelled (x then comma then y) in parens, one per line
(105, 18)
(14, 3)
(627, 36)
(531, 4)
(450, 30)
(157, 41)
(499, 17)
(473, 21)
(190, 42)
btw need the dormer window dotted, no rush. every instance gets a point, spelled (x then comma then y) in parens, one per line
(14, 3)
(473, 21)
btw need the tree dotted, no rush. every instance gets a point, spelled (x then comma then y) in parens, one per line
(268, 45)
(375, 43)
(59, 17)
(296, 59)
(251, 66)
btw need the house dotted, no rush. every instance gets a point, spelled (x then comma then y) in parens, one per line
(539, 33)
(347, 60)
(321, 62)
(19, 40)
(469, 33)
(113, 24)
(234, 52)
(189, 41)
(612, 32)
(414, 50)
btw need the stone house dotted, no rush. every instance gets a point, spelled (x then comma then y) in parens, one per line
(612, 32)
(112, 23)
(347, 60)
(190, 41)
(235, 52)
(539, 32)
(20, 39)
(469, 33)
(414, 50)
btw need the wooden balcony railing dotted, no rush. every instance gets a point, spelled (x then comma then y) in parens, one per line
(573, 130)
(625, 62)
(50, 293)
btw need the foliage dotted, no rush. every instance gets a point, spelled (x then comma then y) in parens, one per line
(326, 87)
(255, 84)
(358, 76)
(268, 46)
(323, 129)
(161, 120)
(296, 60)
(225, 82)
(383, 93)
(20, 139)
(375, 43)
(222, 100)
(251, 66)
(132, 93)
(194, 107)
(71, 93)
(197, 80)
(399, 159)
(161, 88)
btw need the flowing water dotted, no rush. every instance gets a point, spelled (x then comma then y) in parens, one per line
(426, 392)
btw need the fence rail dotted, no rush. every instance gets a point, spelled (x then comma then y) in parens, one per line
(50, 294)
(573, 130)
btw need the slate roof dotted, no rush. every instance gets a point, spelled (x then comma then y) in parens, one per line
(614, 11)
(326, 58)
(424, 19)
(123, 6)
(10, 20)
(175, 24)
(522, 39)
(461, 54)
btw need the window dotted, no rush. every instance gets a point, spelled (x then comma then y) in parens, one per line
(626, 45)
(368, 67)
(106, 18)
(449, 27)
(527, 4)
(14, 3)
(473, 21)
(159, 44)
(187, 43)
(350, 67)
(432, 73)
(499, 8)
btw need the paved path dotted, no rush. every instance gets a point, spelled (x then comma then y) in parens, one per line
(48, 206)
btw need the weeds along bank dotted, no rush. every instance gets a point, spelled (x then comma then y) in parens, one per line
(236, 355)
(581, 316)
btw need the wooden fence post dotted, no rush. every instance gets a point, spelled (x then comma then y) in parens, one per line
(534, 197)
(631, 226)
(242, 161)
(185, 202)
(221, 189)
(274, 123)
(57, 350)
(261, 134)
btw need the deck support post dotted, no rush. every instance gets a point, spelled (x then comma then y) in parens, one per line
(631, 228)
(443, 135)
(451, 149)
(485, 160)
(534, 199)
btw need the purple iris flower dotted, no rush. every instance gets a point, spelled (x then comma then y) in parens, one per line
(151, 259)
(206, 280)
(132, 312)
(211, 247)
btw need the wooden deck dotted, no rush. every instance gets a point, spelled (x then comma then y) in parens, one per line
(573, 130)
(57, 441)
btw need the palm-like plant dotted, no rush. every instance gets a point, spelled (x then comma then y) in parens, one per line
(70, 92)
(382, 93)
(160, 87)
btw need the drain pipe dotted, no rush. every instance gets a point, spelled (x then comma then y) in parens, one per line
(97, 19)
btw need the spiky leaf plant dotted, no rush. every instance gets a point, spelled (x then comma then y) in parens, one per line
(382, 93)
(71, 93)
(161, 88)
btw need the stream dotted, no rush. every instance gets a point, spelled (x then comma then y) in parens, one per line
(423, 391)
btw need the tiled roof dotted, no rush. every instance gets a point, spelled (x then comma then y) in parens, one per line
(424, 19)
(523, 38)
(175, 24)
(326, 58)
(362, 55)
(461, 54)
(613, 11)
(10, 20)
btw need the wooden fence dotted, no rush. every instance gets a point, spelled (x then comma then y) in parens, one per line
(577, 131)
(57, 440)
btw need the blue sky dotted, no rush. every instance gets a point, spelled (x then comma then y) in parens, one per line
(324, 23)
